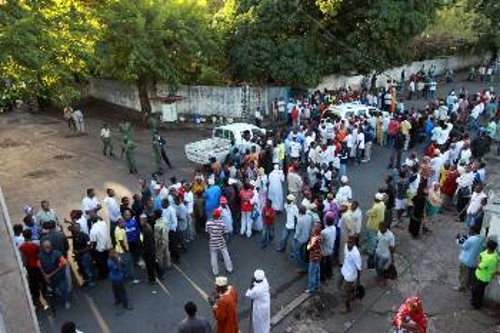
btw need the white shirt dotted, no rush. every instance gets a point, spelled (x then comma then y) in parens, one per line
(352, 264)
(357, 217)
(105, 133)
(385, 240)
(292, 212)
(84, 226)
(475, 202)
(344, 193)
(189, 201)
(99, 234)
(361, 140)
(89, 204)
(113, 208)
(295, 149)
(170, 216)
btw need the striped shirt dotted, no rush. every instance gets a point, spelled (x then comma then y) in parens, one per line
(216, 230)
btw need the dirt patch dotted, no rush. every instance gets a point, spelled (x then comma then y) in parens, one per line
(62, 157)
(40, 173)
(9, 143)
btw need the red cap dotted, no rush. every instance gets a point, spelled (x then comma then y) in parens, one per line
(217, 213)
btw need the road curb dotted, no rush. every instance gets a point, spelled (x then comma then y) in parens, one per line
(283, 313)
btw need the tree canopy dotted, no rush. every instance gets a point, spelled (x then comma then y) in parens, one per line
(147, 41)
(48, 46)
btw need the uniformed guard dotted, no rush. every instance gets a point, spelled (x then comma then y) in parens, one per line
(129, 155)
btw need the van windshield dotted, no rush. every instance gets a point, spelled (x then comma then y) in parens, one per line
(222, 134)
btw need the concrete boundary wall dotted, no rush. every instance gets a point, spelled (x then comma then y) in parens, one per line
(16, 309)
(456, 63)
(205, 101)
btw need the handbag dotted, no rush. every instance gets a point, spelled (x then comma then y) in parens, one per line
(391, 273)
(358, 292)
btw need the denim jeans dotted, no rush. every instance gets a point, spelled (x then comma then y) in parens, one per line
(284, 238)
(61, 285)
(342, 170)
(298, 255)
(128, 266)
(246, 224)
(313, 276)
(470, 220)
(267, 235)
(85, 264)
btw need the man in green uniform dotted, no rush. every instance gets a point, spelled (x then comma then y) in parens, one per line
(129, 155)
(156, 154)
(125, 131)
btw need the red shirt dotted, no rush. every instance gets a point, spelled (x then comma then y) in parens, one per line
(30, 252)
(268, 213)
(246, 196)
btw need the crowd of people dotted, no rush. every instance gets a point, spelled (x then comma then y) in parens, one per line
(302, 172)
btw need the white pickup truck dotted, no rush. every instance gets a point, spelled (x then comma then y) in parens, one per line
(218, 146)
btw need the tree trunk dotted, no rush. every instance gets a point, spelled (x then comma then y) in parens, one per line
(142, 87)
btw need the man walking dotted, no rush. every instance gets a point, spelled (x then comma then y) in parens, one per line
(106, 140)
(469, 253)
(351, 272)
(261, 302)
(215, 228)
(314, 248)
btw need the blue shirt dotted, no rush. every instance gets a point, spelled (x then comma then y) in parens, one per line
(132, 230)
(212, 199)
(157, 202)
(116, 273)
(470, 251)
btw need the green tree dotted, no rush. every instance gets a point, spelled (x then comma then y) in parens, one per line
(46, 48)
(487, 25)
(148, 41)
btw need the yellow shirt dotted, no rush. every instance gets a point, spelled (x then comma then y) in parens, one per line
(120, 235)
(405, 127)
(281, 151)
(375, 215)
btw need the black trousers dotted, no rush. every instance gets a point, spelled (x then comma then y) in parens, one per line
(326, 268)
(36, 283)
(135, 252)
(101, 261)
(152, 266)
(477, 291)
(120, 293)
(165, 158)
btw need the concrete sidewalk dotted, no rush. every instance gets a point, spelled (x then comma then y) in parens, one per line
(427, 267)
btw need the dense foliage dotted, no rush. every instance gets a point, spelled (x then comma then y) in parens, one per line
(48, 47)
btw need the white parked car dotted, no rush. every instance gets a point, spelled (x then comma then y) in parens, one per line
(346, 110)
(218, 146)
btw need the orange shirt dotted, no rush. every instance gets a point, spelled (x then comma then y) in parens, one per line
(225, 312)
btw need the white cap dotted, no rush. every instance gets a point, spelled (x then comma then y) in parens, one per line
(231, 181)
(379, 196)
(344, 179)
(211, 181)
(221, 281)
(157, 187)
(290, 197)
(259, 275)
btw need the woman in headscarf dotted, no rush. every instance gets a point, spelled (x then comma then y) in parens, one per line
(433, 204)
(410, 317)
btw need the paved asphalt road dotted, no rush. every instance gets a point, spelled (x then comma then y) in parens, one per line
(159, 308)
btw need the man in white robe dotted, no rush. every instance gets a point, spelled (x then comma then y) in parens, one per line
(275, 189)
(261, 303)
